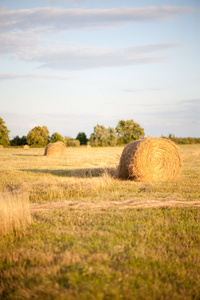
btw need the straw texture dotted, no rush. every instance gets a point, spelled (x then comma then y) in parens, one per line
(61, 143)
(54, 149)
(150, 160)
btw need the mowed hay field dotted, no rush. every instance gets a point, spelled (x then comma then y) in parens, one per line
(92, 236)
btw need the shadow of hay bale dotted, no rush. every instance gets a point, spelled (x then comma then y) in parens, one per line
(78, 173)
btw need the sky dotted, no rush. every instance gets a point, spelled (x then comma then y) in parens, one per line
(72, 64)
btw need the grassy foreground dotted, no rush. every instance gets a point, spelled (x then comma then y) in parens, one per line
(99, 251)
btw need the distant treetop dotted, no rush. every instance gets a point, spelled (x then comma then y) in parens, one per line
(38, 136)
(4, 134)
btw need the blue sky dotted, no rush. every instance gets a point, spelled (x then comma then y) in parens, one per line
(70, 65)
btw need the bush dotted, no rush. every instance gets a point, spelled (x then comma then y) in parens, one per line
(71, 142)
(183, 141)
(17, 141)
(4, 134)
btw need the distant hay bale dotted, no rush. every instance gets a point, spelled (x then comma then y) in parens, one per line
(26, 147)
(150, 160)
(61, 143)
(88, 145)
(1, 146)
(54, 149)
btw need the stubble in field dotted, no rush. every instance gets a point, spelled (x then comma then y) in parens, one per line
(93, 236)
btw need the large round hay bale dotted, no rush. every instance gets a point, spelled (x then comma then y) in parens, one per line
(54, 149)
(150, 160)
(46, 148)
(26, 147)
(1, 146)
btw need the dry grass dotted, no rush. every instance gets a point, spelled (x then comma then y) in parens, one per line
(98, 237)
(87, 174)
(150, 160)
(14, 212)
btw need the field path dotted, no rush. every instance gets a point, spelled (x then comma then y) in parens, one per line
(122, 204)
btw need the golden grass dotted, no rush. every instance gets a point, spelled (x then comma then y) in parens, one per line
(14, 212)
(84, 243)
(87, 174)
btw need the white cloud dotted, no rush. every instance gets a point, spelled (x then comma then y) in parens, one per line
(21, 36)
(53, 18)
(8, 76)
(60, 55)
(21, 44)
(187, 110)
(138, 90)
(190, 103)
(90, 57)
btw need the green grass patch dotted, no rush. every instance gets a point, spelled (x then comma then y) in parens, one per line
(104, 254)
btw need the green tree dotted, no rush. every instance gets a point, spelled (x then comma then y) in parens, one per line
(111, 136)
(129, 131)
(17, 141)
(82, 137)
(103, 136)
(92, 140)
(99, 137)
(38, 136)
(57, 137)
(4, 134)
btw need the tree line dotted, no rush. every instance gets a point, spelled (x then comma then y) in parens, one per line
(182, 141)
(125, 132)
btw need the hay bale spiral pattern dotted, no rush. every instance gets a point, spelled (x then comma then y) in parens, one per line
(150, 160)
(54, 149)
(61, 143)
